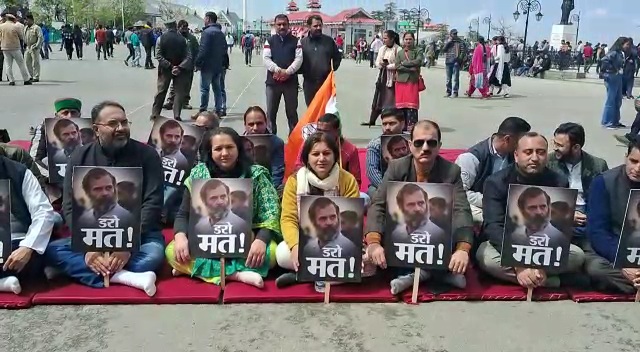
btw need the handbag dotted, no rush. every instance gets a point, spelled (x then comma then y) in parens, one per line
(421, 86)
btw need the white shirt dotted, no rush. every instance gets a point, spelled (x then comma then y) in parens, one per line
(376, 45)
(575, 181)
(42, 216)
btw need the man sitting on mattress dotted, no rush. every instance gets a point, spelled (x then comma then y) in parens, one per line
(392, 124)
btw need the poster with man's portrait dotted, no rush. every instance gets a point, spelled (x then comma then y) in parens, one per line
(393, 146)
(5, 220)
(628, 254)
(220, 222)
(538, 226)
(258, 148)
(107, 205)
(63, 137)
(418, 225)
(331, 232)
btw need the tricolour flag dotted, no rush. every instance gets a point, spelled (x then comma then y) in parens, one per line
(324, 102)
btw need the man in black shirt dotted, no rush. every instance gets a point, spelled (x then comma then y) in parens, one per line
(183, 28)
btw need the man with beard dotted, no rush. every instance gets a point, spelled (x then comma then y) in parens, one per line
(255, 122)
(413, 202)
(392, 123)
(171, 135)
(397, 146)
(608, 198)
(215, 196)
(580, 167)
(424, 164)
(325, 218)
(115, 148)
(68, 133)
(531, 169)
(319, 51)
(100, 187)
(535, 206)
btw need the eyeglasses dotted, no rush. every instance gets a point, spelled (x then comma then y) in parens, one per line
(431, 143)
(114, 124)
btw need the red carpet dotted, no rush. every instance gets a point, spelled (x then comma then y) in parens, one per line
(236, 292)
(21, 301)
(594, 296)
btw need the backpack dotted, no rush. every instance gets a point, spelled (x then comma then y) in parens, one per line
(248, 41)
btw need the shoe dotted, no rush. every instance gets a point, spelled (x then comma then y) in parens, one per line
(319, 286)
(177, 118)
(455, 95)
(286, 279)
(621, 139)
(153, 118)
(506, 95)
(28, 83)
(126, 63)
(12, 83)
(448, 95)
(187, 107)
(499, 91)
(167, 106)
(35, 80)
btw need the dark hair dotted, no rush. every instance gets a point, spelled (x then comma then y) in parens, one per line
(169, 125)
(211, 185)
(254, 109)
(349, 215)
(317, 138)
(392, 112)
(395, 140)
(97, 109)
(62, 123)
(212, 16)
(241, 195)
(332, 119)
(319, 203)
(281, 17)
(127, 187)
(394, 35)
(182, 23)
(438, 202)
(513, 126)
(574, 131)
(503, 41)
(427, 123)
(408, 33)
(314, 17)
(243, 164)
(634, 143)
(481, 40)
(617, 45)
(212, 117)
(532, 135)
(94, 174)
(246, 139)
(189, 138)
(529, 193)
(29, 16)
(560, 206)
(407, 189)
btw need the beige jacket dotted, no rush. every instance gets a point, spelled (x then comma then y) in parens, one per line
(10, 36)
(33, 37)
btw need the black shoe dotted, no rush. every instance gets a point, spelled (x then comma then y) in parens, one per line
(286, 279)
(12, 83)
(35, 80)
(177, 118)
(187, 107)
(455, 95)
(167, 106)
(27, 83)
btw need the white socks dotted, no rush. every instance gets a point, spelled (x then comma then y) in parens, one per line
(144, 281)
(248, 277)
(10, 284)
(403, 282)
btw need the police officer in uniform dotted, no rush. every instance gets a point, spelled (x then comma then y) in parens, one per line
(174, 64)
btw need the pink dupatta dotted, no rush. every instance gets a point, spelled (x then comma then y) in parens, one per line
(477, 61)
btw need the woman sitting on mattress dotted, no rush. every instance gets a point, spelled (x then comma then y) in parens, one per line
(226, 158)
(321, 175)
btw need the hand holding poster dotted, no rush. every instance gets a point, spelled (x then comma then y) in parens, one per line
(330, 239)
(628, 255)
(258, 148)
(63, 137)
(5, 221)
(221, 218)
(393, 146)
(106, 209)
(538, 227)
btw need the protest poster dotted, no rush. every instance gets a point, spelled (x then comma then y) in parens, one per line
(106, 211)
(63, 136)
(628, 254)
(330, 239)
(5, 221)
(418, 225)
(220, 221)
(538, 227)
(258, 148)
(393, 146)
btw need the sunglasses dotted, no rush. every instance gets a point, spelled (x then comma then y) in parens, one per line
(431, 143)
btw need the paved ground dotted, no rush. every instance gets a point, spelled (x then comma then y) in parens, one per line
(444, 326)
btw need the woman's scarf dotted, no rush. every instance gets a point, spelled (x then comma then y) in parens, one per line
(390, 54)
(477, 62)
(306, 178)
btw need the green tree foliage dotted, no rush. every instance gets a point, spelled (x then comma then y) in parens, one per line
(89, 12)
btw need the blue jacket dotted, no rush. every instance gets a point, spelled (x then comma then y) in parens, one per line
(45, 33)
(213, 47)
(612, 63)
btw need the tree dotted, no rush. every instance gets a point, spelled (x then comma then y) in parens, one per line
(503, 29)
(378, 15)
(390, 11)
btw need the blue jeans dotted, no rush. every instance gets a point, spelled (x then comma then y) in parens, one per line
(611, 113)
(210, 79)
(223, 91)
(60, 255)
(453, 72)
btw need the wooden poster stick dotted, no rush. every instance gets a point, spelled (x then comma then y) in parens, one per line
(222, 273)
(106, 278)
(416, 286)
(529, 294)
(638, 296)
(327, 292)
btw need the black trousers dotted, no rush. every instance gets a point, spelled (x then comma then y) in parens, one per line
(310, 88)
(110, 48)
(79, 47)
(102, 48)
(68, 46)
(275, 93)
(1, 64)
(180, 85)
(131, 52)
(187, 97)
(148, 63)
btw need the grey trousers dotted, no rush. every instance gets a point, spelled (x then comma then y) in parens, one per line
(180, 85)
(15, 55)
(603, 275)
(489, 260)
(274, 94)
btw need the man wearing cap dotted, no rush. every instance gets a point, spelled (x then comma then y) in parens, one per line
(174, 64)
(11, 37)
(33, 40)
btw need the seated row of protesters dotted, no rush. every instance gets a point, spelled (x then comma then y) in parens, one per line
(222, 157)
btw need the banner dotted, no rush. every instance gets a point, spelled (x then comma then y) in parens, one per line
(221, 218)
(331, 232)
(538, 226)
(418, 225)
(393, 146)
(107, 205)
(5, 221)
(628, 254)
(63, 136)
(258, 148)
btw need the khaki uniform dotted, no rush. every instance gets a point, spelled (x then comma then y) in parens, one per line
(10, 35)
(33, 40)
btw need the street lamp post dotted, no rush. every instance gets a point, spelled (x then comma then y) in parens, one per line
(487, 21)
(526, 6)
(417, 15)
(576, 17)
(475, 22)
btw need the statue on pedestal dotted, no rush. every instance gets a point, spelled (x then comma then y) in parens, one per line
(567, 7)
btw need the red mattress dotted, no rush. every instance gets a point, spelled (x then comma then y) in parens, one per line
(21, 301)
(594, 296)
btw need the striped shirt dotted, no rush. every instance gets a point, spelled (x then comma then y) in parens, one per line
(374, 167)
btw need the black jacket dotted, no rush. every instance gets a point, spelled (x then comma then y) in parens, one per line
(213, 48)
(134, 154)
(317, 53)
(496, 192)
